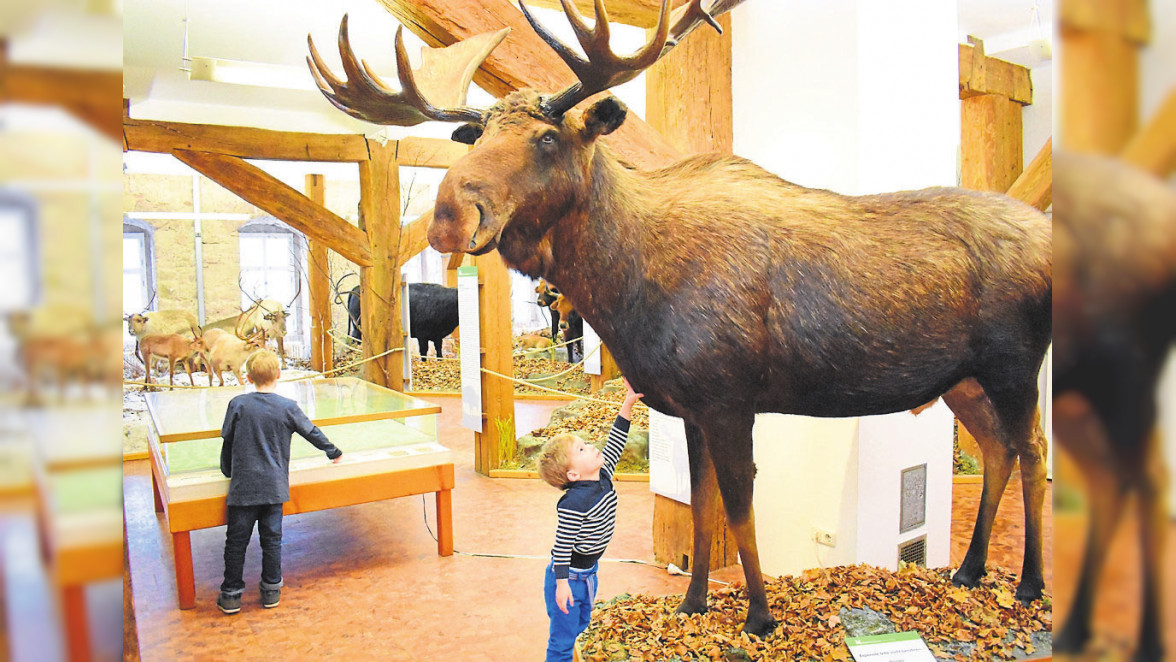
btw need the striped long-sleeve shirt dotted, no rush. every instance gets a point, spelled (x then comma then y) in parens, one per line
(588, 511)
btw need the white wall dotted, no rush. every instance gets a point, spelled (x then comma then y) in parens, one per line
(896, 442)
(806, 476)
(858, 97)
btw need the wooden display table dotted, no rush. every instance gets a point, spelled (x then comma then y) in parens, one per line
(388, 439)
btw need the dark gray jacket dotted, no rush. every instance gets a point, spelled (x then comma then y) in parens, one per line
(255, 455)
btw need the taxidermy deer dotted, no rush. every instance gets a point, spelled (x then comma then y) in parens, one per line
(723, 290)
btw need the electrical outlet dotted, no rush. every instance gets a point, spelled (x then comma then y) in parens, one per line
(823, 537)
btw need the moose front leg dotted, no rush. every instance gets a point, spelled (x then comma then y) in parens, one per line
(728, 439)
(703, 492)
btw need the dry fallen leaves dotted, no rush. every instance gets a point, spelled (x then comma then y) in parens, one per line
(808, 607)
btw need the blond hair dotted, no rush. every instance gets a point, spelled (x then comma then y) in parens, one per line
(555, 458)
(263, 367)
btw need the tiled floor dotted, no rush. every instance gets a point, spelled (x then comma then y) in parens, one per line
(366, 583)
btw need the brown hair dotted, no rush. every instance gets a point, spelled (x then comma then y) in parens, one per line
(554, 460)
(263, 367)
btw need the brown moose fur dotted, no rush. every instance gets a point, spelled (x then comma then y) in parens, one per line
(723, 290)
(1115, 241)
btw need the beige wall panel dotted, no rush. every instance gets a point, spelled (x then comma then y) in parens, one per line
(175, 267)
(35, 155)
(162, 193)
(222, 250)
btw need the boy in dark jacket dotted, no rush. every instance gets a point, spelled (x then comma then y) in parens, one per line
(587, 513)
(255, 457)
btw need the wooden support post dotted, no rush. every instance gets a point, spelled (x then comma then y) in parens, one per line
(991, 142)
(497, 438)
(688, 101)
(379, 190)
(608, 370)
(1099, 73)
(322, 354)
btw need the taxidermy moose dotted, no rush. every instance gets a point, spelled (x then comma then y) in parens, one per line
(723, 290)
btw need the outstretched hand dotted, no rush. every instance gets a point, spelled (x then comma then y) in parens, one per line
(630, 394)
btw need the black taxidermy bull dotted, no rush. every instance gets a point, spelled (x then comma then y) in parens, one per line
(723, 290)
(432, 315)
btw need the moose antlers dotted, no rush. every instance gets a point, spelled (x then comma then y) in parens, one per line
(364, 96)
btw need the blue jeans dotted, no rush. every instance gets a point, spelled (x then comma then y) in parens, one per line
(240, 529)
(565, 628)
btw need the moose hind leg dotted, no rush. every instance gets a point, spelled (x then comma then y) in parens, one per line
(704, 492)
(728, 439)
(976, 412)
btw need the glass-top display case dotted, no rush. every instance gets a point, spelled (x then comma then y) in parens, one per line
(377, 429)
(388, 439)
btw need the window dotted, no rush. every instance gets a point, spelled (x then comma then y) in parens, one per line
(272, 257)
(18, 253)
(138, 267)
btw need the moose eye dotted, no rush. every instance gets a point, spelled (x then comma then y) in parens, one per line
(548, 138)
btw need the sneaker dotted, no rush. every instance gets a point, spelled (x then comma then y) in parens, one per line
(229, 604)
(271, 597)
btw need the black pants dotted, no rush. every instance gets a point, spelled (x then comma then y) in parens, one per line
(237, 535)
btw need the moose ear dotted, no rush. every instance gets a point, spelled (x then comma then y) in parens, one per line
(467, 133)
(604, 117)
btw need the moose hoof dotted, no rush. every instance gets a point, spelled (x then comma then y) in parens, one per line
(1148, 654)
(1028, 592)
(760, 626)
(690, 607)
(969, 578)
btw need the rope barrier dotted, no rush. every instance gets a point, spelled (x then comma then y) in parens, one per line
(345, 345)
(345, 367)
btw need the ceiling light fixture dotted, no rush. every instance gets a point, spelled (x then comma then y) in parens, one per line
(259, 74)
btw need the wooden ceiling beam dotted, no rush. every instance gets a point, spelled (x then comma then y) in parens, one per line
(1035, 185)
(981, 74)
(1153, 148)
(91, 96)
(262, 190)
(414, 237)
(429, 152)
(521, 61)
(244, 142)
(642, 13)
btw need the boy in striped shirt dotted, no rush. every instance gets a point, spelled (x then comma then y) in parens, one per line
(587, 512)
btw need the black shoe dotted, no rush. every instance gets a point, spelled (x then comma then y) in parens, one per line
(271, 597)
(229, 604)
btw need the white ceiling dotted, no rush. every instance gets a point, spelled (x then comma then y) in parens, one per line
(274, 32)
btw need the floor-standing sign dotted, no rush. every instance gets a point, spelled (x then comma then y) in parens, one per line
(471, 346)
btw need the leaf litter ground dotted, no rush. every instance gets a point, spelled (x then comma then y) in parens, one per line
(985, 623)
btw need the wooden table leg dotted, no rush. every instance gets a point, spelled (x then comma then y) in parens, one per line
(185, 581)
(445, 522)
(155, 493)
(77, 631)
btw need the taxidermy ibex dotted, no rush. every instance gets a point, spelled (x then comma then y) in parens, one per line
(723, 290)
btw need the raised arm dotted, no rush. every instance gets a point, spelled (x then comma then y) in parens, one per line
(618, 436)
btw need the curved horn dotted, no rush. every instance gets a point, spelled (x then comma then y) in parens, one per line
(338, 283)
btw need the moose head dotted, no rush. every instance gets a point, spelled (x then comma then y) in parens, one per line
(533, 153)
